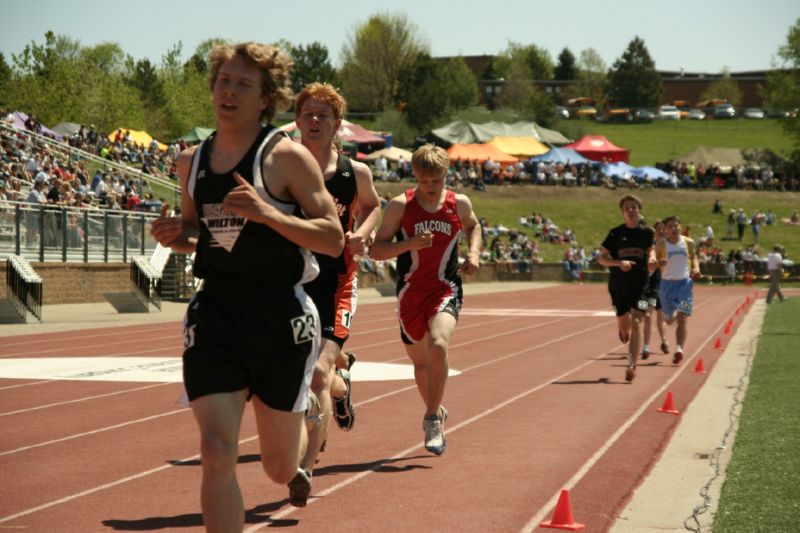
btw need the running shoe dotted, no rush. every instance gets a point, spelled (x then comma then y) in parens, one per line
(300, 488)
(630, 373)
(645, 354)
(433, 425)
(351, 359)
(343, 410)
(664, 347)
(678, 357)
(313, 411)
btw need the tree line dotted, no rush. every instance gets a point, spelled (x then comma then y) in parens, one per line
(387, 70)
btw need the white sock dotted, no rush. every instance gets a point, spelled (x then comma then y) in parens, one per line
(646, 348)
(679, 348)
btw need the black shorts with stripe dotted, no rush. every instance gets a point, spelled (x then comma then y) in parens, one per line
(266, 345)
(629, 295)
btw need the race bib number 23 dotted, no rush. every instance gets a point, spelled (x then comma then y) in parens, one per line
(304, 328)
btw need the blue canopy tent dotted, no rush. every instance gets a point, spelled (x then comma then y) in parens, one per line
(618, 169)
(561, 155)
(651, 172)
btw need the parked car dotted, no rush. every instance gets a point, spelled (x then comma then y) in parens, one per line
(696, 114)
(643, 115)
(753, 112)
(586, 111)
(617, 114)
(777, 113)
(724, 111)
(669, 112)
(562, 112)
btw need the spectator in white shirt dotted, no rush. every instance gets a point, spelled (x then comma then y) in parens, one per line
(775, 268)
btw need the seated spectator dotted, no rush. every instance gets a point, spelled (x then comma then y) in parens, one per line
(793, 220)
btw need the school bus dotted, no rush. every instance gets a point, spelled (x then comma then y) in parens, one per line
(582, 107)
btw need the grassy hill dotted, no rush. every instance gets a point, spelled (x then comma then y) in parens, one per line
(663, 140)
(591, 212)
(660, 140)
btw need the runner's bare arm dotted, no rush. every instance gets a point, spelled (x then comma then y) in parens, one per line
(384, 247)
(367, 210)
(180, 234)
(472, 231)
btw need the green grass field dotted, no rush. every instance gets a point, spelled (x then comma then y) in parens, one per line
(591, 212)
(760, 492)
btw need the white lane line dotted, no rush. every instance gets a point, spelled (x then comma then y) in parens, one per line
(117, 343)
(92, 432)
(243, 441)
(18, 385)
(84, 399)
(584, 469)
(352, 479)
(99, 335)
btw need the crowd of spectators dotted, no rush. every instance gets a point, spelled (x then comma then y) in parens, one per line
(513, 250)
(45, 173)
(46, 179)
(478, 175)
(118, 146)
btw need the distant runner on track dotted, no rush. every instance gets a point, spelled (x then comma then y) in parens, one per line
(628, 252)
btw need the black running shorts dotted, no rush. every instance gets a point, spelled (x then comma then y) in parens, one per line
(266, 345)
(336, 297)
(629, 295)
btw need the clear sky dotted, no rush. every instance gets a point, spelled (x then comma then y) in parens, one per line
(700, 35)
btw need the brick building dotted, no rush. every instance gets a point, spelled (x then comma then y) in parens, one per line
(686, 86)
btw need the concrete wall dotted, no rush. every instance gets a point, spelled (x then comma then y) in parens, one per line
(68, 283)
(87, 282)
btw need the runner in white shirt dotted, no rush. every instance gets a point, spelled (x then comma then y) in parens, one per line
(679, 266)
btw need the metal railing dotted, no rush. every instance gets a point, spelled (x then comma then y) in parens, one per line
(43, 232)
(144, 280)
(24, 287)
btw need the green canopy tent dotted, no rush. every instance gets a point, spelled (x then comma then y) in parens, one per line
(196, 134)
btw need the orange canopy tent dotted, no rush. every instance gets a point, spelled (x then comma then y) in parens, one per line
(481, 152)
(597, 147)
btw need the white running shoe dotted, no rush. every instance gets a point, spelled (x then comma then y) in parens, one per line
(435, 441)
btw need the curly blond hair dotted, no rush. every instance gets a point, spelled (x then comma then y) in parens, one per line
(275, 67)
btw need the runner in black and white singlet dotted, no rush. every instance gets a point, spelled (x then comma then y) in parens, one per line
(319, 111)
(628, 253)
(252, 330)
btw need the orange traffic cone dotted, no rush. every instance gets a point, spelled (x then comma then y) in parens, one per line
(728, 327)
(669, 405)
(562, 518)
(699, 368)
(718, 344)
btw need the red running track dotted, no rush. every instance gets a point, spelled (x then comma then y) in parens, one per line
(540, 404)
